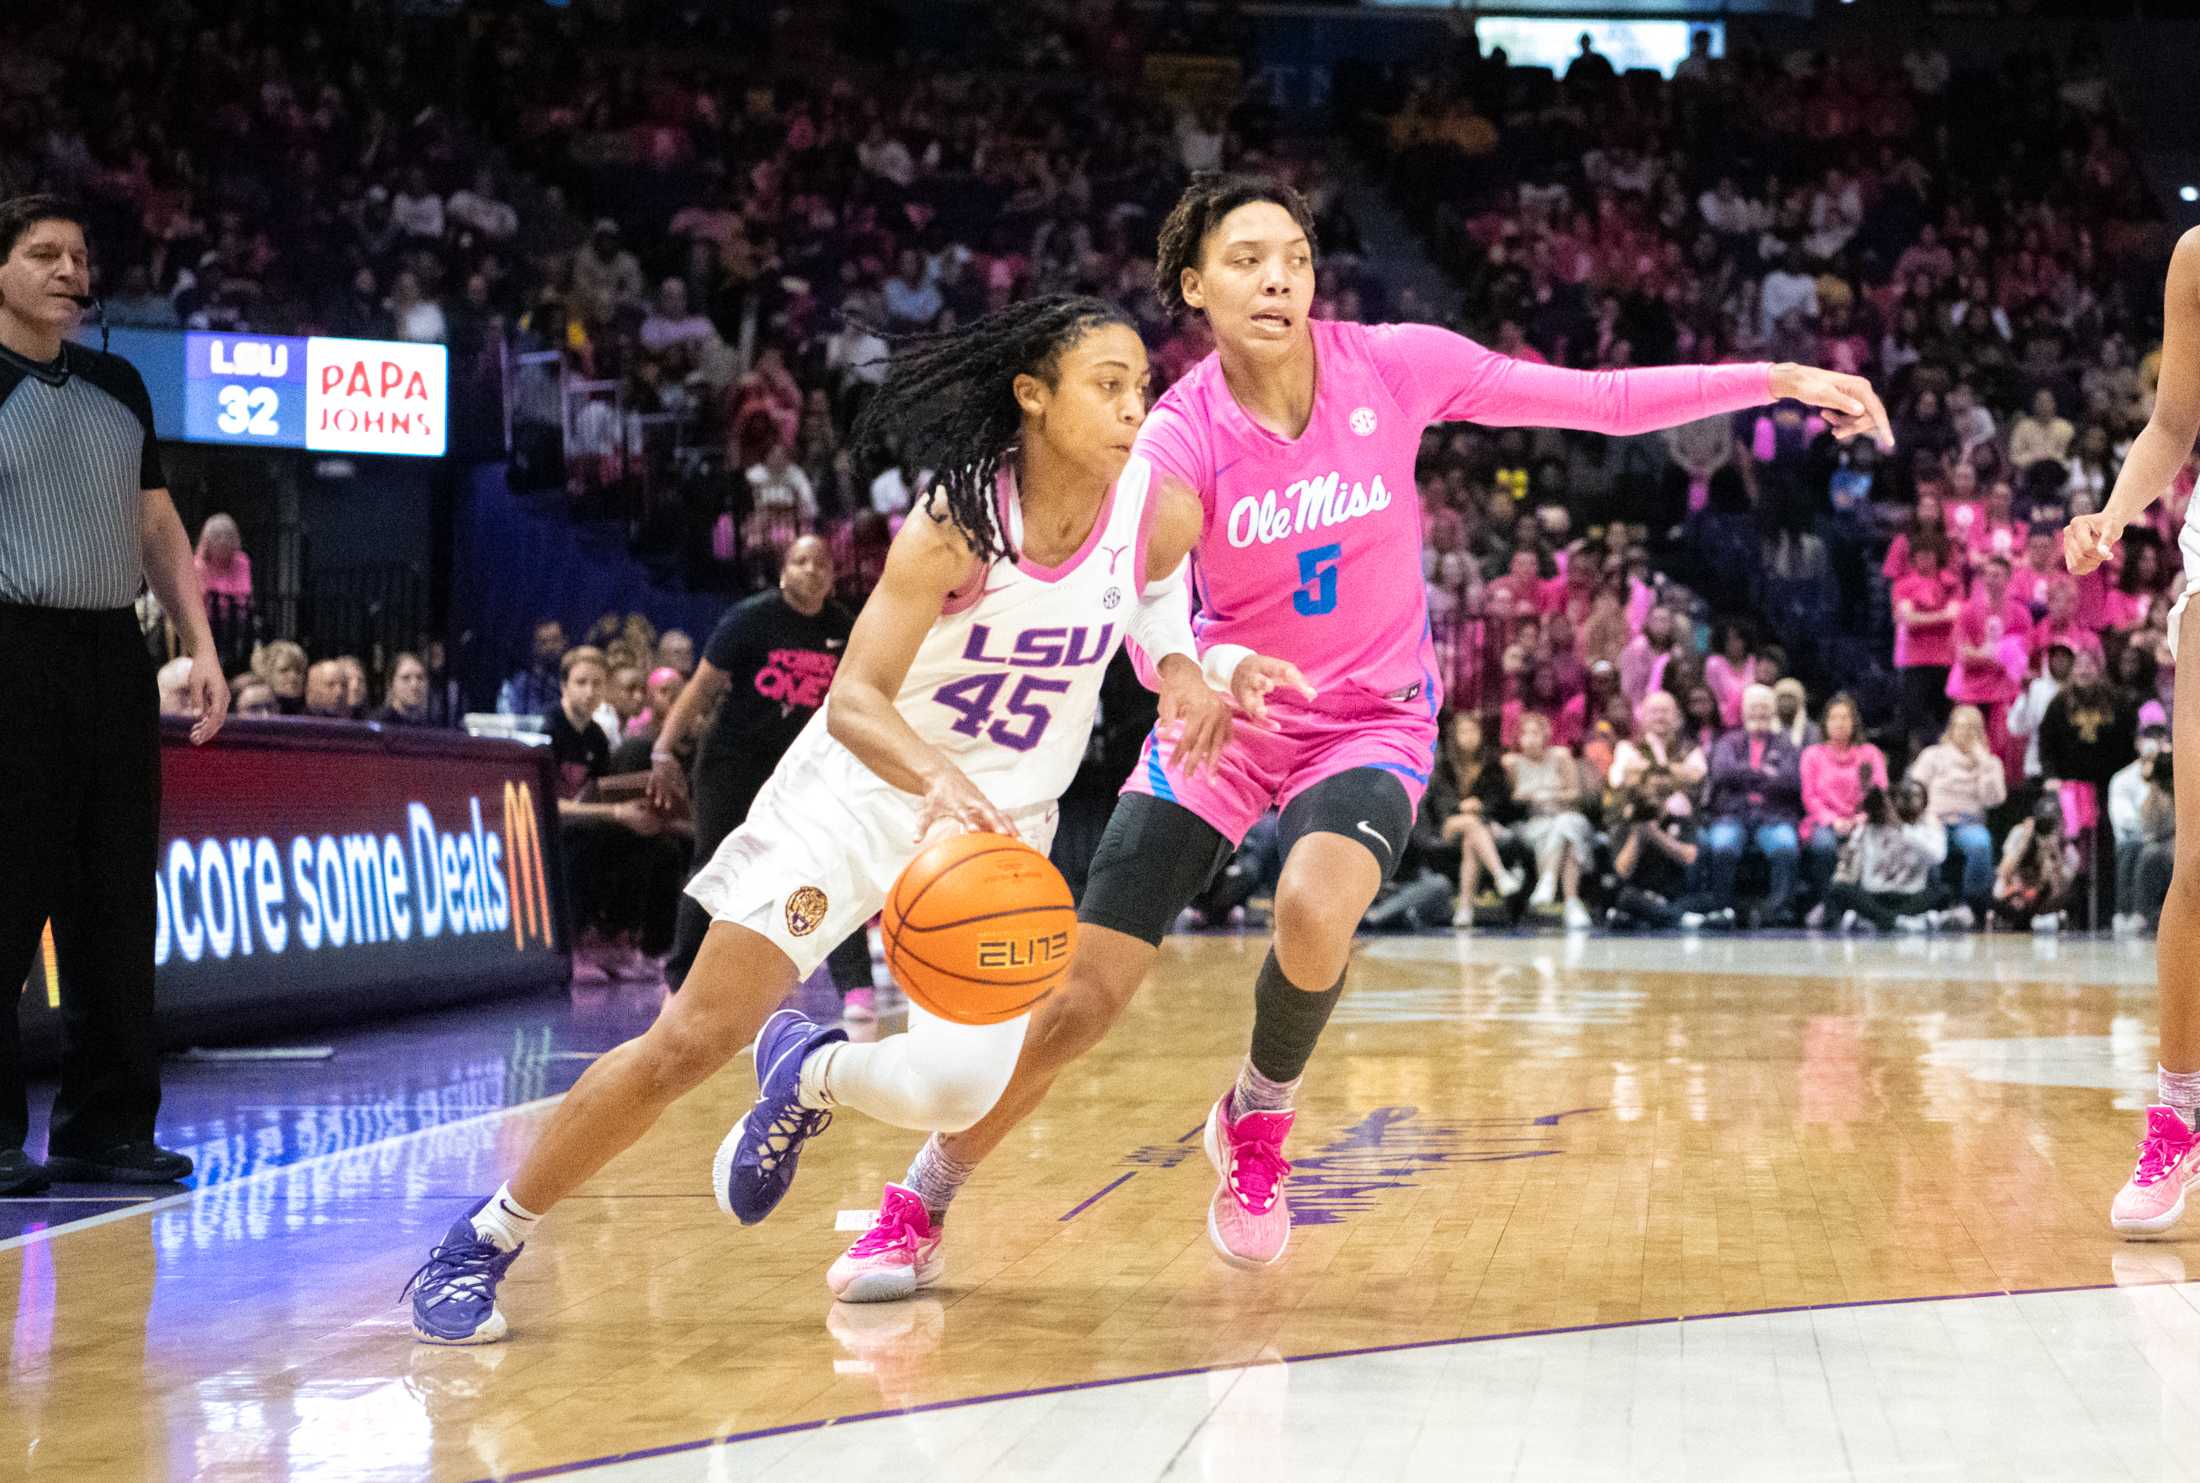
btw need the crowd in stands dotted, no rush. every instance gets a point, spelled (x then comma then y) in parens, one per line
(1979, 243)
(1730, 673)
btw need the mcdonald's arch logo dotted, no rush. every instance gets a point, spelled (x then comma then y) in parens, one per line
(523, 869)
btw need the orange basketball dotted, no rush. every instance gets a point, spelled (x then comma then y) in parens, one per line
(979, 928)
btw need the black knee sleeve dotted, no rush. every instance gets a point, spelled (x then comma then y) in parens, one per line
(1287, 1021)
(1154, 857)
(1366, 804)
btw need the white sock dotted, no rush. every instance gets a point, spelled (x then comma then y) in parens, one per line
(504, 1222)
(2179, 1090)
(934, 1178)
(809, 1089)
(1256, 1093)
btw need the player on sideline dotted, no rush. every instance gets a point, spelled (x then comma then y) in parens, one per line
(1298, 439)
(2153, 1200)
(940, 714)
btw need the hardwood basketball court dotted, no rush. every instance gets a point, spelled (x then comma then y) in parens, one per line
(1518, 1162)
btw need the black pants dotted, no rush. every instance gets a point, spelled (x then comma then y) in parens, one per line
(79, 842)
(723, 792)
(622, 883)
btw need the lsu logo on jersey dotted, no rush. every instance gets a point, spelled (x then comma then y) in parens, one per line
(1066, 646)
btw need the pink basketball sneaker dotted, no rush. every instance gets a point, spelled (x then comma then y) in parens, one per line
(1248, 1220)
(897, 1256)
(2154, 1200)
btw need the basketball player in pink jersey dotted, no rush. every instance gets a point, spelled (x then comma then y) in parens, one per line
(1298, 439)
(2152, 1201)
(966, 699)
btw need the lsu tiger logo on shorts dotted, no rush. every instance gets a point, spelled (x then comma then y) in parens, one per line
(805, 911)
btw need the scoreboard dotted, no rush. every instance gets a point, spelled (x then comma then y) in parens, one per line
(322, 393)
(316, 392)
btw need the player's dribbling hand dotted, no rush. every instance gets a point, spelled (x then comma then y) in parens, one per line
(954, 799)
(206, 695)
(1257, 675)
(2089, 540)
(1850, 404)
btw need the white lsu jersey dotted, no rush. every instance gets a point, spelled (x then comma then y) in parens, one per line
(1008, 679)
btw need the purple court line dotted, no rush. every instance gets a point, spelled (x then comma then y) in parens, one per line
(790, 1428)
(1091, 1200)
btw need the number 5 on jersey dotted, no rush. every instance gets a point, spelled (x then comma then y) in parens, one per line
(1317, 592)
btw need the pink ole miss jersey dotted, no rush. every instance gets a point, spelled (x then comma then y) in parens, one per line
(1310, 548)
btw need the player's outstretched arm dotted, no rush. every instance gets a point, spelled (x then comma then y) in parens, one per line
(2166, 442)
(1450, 378)
(928, 561)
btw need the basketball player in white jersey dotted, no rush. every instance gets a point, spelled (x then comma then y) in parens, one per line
(965, 700)
(2152, 1201)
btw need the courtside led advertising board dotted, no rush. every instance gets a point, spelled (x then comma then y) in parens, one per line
(429, 874)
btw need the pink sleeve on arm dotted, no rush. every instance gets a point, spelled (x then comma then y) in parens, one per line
(1443, 377)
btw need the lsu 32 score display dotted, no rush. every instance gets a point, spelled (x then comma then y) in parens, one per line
(317, 392)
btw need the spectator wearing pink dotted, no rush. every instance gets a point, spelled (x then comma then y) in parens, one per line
(1999, 532)
(2061, 625)
(1540, 693)
(224, 569)
(1519, 593)
(1993, 652)
(2042, 567)
(1570, 592)
(1837, 772)
(1641, 596)
(1729, 672)
(2123, 606)
(1962, 507)
(1926, 518)
(1642, 663)
(1582, 711)
(1926, 607)
(766, 408)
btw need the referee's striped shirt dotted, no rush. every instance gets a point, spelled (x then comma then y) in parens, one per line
(74, 460)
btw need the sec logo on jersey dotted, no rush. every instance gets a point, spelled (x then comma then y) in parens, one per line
(1363, 421)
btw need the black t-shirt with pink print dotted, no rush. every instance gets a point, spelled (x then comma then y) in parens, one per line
(780, 664)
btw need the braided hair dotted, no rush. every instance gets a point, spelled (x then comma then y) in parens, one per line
(1205, 202)
(949, 404)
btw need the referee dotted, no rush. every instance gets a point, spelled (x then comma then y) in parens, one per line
(85, 520)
